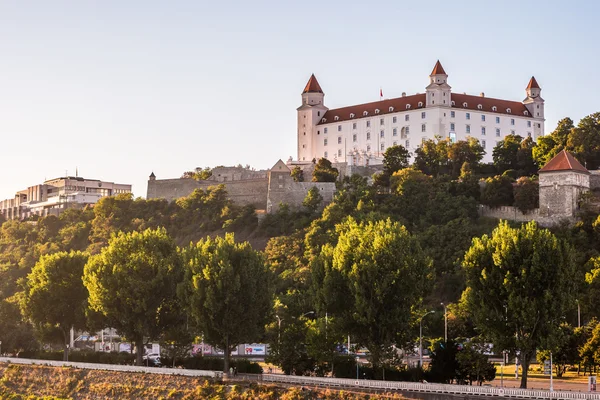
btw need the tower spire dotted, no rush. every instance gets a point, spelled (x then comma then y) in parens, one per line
(438, 69)
(312, 86)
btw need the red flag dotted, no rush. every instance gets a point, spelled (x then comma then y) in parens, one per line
(380, 92)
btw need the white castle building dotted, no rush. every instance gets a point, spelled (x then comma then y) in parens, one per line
(360, 134)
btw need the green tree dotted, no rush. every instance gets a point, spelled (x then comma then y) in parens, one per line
(526, 194)
(133, 284)
(395, 158)
(54, 294)
(228, 291)
(324, 171)
(473, 364)
(584, 141)
(550, 145)
(505, 153)
(518, 287)
(371, 281)
(313, 200)
(498, 191)
(564, 346)
(464, 151)
(432, 157)
(298, 174)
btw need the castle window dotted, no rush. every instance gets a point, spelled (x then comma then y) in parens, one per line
(324, 130)
(324, 142)
(452, 113)
(339, 140)
(303, 146)
(529, 124)
(468, 128)
(494, 108)
(368, 124)
(539, 125)
(512, 121)
(465, 104)
(365, 113)
(526, 112)
(339, 128)
(377, 111)
(423, 128)
(351, 115)
(336, 118)
(479, 106)
(395, 143)
(528, 134)
(381, 134)
(406, 117)
(423, 115)
(508, 110)
(318, 114)
(368, 135)
(498, 132)
(391, 109)
(452, 137)
(482, 118)
(339, 152)
(354, 125)
(453, 103)
(394, 119)
(483, 144)
(407, 130)
(354, 137)
(325, 154)
(512, 132)
(483, 130)
(382, 146)
(420, 104)
(452, 127)
(381, 121)
(324, 120)
(497, 120)
(368, 147)
(468, 115)
(407, 144)
(395, 132)
(408, 106)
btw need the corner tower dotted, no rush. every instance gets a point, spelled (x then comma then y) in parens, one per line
(438, 90)
(535, 106)
(309, 114)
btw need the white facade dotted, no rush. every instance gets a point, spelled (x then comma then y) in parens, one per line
(360, 134)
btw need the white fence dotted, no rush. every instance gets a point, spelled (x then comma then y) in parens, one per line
(331, 382)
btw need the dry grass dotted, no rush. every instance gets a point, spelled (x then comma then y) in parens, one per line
(21, 382)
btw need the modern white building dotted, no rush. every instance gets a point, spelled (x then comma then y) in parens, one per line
(55, 195)
(360, 134)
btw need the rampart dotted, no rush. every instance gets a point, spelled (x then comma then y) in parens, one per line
(510, 213)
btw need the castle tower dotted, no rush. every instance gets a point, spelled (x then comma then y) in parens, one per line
(438, 90)
(152, 177)
(309, 114)
(535, 106)
(562, 181)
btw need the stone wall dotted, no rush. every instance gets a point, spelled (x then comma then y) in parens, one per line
(560, 191)
(595, 180)
(243, 192)
(541, 216)
(283, 189)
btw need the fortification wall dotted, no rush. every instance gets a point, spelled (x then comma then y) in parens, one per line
(595, 180)
(251, 191)
(293, 193)
(541, 216)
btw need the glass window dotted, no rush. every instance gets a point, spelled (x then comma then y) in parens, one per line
(529, 124)
(368, 135)
(394, 119)
(368, 124)
(453, 137)
(497, 120)
(354, 125)
(325, 154)
(324, 142)
(468, 115)
(483, 144)
(339, 140)
(339, 128)
(407, 130)
(354, 137)
(528, 134)
(512, 132)
(324, 130)
(381, 122)
(498, 132)
(452, 127)
(483, 130)
(395, 131)
(382, 134)
(382, 146)
(368, 147)
(395, 143)
(512, 121)
(423, 128)
(482, 118)
(339, 152)
(407, 144)
(452, 114)
(423, 115)
(468, 128)
(406, 117)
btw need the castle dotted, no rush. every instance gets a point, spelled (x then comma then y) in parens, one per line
(360, 134)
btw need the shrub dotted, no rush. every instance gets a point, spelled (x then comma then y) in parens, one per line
(527, 194)
(498, 191)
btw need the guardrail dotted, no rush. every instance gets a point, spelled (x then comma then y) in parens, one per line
(328, 382)
(114, 367)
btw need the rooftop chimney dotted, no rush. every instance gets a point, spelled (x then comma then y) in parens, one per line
(482, 94)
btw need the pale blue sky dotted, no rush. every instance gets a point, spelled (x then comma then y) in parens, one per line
(122, 88)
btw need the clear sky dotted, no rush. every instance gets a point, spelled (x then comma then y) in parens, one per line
(121, 88)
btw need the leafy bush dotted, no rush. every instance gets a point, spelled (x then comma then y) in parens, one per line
(498, 191)
(93, 357)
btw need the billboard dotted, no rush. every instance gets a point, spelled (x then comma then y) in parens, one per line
(255, 349)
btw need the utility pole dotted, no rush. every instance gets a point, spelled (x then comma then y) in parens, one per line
(421, 338)
(445, 323)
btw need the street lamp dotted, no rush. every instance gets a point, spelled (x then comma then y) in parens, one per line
(421, 337)
(445, 323)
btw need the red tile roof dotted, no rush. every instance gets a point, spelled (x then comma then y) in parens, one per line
(564, 161)
(533, 84)
(438, 69)
(399, 105)
(312, 86)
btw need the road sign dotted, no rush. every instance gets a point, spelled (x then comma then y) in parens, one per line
(547, 367)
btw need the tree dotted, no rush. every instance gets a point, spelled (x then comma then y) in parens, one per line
(324, 171)
(371, 281)
(526, 194)
(432, 157)
(564, 346)
(519, 285)
(498, 191)
(526, 164)
(54, 294)
(464, 151)
(133, 284)
(227, 289)
(473, 364)
(505, 153)
(550, 145)
(584, 141)
(395, 158)
(313, 200)
(298, 174)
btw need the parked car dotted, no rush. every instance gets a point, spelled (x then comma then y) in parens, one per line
(152, 360)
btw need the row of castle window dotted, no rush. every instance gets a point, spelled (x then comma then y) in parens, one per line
(382, 147)
(423, 116)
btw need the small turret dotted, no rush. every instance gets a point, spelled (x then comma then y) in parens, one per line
(438, 90)
(152, 176)
(533, 89)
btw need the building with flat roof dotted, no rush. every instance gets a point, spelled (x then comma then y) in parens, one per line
(55, 195)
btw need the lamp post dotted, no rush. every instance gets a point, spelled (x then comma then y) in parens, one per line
(278, 330)
(421, 337)
(445, 323)
(578, 314)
